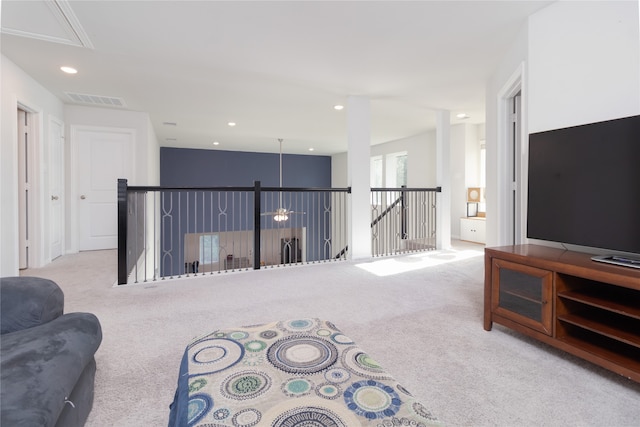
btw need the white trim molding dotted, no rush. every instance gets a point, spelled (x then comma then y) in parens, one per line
(516, 83)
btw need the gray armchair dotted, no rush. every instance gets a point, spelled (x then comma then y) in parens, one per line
(47, 364)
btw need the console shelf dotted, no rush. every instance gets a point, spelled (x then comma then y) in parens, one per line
(565, 299)
(616, 330)
(612, 358)
(628, 307)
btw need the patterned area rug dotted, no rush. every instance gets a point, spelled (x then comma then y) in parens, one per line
(301, 372)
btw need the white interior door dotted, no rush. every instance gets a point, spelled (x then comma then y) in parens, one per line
(104, 156)
(56, 187)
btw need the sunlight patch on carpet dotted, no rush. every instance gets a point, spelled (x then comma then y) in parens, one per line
(403, 264)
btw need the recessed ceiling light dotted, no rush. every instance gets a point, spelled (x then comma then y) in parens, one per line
(311, 149)
(462, 116)
(69, 70)
(216, 143)
(232, 124)
(338, 107)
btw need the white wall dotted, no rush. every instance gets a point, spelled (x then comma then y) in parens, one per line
(20, 88)
(339, 170)
(421, 167)
(581, 65)
(473, 136)
(496, 162)
(147, 167)
(153, 156)
(421, 161)
(421, 158)
(584, 63)
(458, 137)
(465, 169)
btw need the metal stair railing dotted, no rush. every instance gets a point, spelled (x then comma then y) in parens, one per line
(404, 220)
(175, 232)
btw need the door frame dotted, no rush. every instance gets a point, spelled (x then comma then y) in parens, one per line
(74, 167)
(505, 214)
(55, 120)
(36, 210)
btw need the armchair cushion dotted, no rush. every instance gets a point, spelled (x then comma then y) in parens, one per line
(26, 302)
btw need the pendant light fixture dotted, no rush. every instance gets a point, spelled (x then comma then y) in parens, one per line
(281, 214)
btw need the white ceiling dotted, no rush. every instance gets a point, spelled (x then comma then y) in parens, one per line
(275, 68)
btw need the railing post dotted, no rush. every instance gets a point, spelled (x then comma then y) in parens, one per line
(403, 215)
(256, 225)
(122, 231)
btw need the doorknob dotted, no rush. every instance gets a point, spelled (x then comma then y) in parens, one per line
(83, 197)
(54, 197)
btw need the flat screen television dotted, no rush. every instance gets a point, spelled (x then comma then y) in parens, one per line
(584, 185)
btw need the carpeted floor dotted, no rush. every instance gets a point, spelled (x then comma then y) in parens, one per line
(419, 316)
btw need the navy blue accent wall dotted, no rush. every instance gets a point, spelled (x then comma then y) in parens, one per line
(197, 212)
(182, 167)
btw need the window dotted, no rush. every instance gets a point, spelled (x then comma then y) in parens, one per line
(390, 173)
(209, 248)
(376, 172)
(376, 178)
(396, 170)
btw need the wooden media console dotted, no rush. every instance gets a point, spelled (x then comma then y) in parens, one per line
(567, 300)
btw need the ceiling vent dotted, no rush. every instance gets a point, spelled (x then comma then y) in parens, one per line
(99, 100)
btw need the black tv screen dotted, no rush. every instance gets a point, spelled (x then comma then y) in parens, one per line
(584, 185)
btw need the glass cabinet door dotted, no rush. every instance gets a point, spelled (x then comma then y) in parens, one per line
(523, 294)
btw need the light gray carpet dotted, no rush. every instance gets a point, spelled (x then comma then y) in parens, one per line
(419, 316)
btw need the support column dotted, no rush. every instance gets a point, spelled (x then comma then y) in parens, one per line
(358, 161)
(443, 177)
